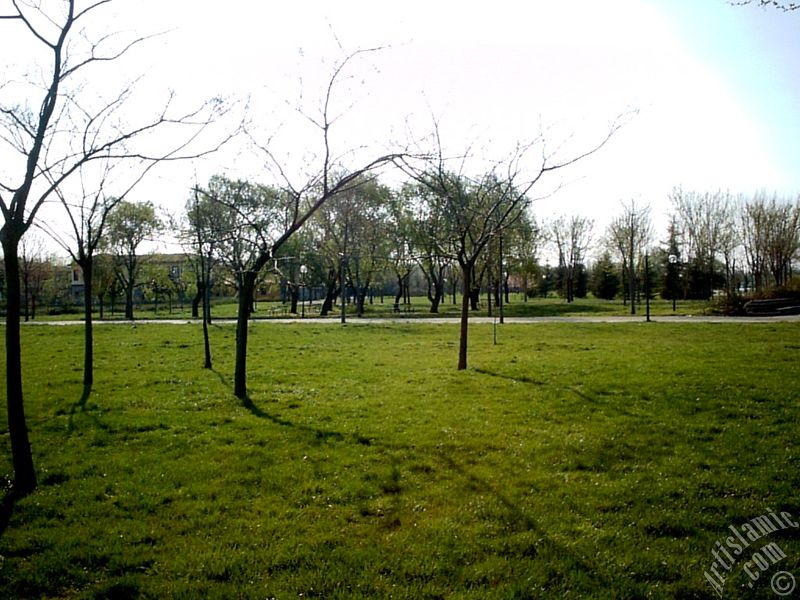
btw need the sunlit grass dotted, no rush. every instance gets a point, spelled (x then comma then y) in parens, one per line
(419, 307)
(569, 460)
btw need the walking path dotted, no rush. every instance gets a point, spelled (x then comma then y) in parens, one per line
(445, 320)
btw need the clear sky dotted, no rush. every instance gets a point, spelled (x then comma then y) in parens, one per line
(716, 86)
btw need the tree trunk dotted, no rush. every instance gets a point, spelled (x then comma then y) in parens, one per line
(327, 303)
(24, 473)
(400, 292)
(26, 296)
(474, 296)
(465, 306)
(100, 298)
(361, 296)
(206, 321)
(294, 295)
(246, 289)
(435, 300)
(129, 300)
(197, 299)
(88, 333)
(632, 285)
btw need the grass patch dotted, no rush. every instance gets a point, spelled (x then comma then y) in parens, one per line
(419, 307)
(582, 460)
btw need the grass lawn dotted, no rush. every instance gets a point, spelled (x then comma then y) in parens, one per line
(551, 306)
(570, 460)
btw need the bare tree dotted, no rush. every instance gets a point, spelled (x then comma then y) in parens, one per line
(296, 204)
(55, 133)
(628, 234)
(34, 269)
(202, 231)
(784, 6)
(704, 221)
(770, 233)
(482, 207)
(571, 238)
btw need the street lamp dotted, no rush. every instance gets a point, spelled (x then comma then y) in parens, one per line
(503, 278)
(673, 260)
(303, 271)
(647, 284)
(342, 267)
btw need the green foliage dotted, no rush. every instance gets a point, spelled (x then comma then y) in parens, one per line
(581, 281)
(605, 281)
(363, 465)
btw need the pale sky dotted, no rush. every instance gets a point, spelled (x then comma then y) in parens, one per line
(716, 86)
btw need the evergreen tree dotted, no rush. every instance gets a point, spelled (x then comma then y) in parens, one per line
(605, 282)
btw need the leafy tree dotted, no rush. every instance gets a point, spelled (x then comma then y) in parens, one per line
(404, 237)
(524, 241)
(129, 225)
(355, 228)
(428, 227)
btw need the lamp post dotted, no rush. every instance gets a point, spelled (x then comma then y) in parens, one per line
(647, 284)
(303, 271)
(673, 260)
(503, 275)
(344, 286)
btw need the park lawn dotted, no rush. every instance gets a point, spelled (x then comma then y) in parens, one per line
(570, 460)
(419, 307)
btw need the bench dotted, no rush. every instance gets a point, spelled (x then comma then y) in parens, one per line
(773, 307)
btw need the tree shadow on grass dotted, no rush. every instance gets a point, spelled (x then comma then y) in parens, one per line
(318, 433)
(516, 514)
(523, 521)
(82, 407)
(520, 379)
(7, 509)
(79, 405)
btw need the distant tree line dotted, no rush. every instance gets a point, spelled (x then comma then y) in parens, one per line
(375, 240)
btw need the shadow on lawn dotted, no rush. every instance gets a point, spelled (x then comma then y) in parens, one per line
(525, 522)
(517, 514)
(80, 405)
(520, 379)
(319, 434)
(7, 509)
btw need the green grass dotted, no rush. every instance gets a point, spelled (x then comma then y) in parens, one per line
(570, 460)
(551, 306)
